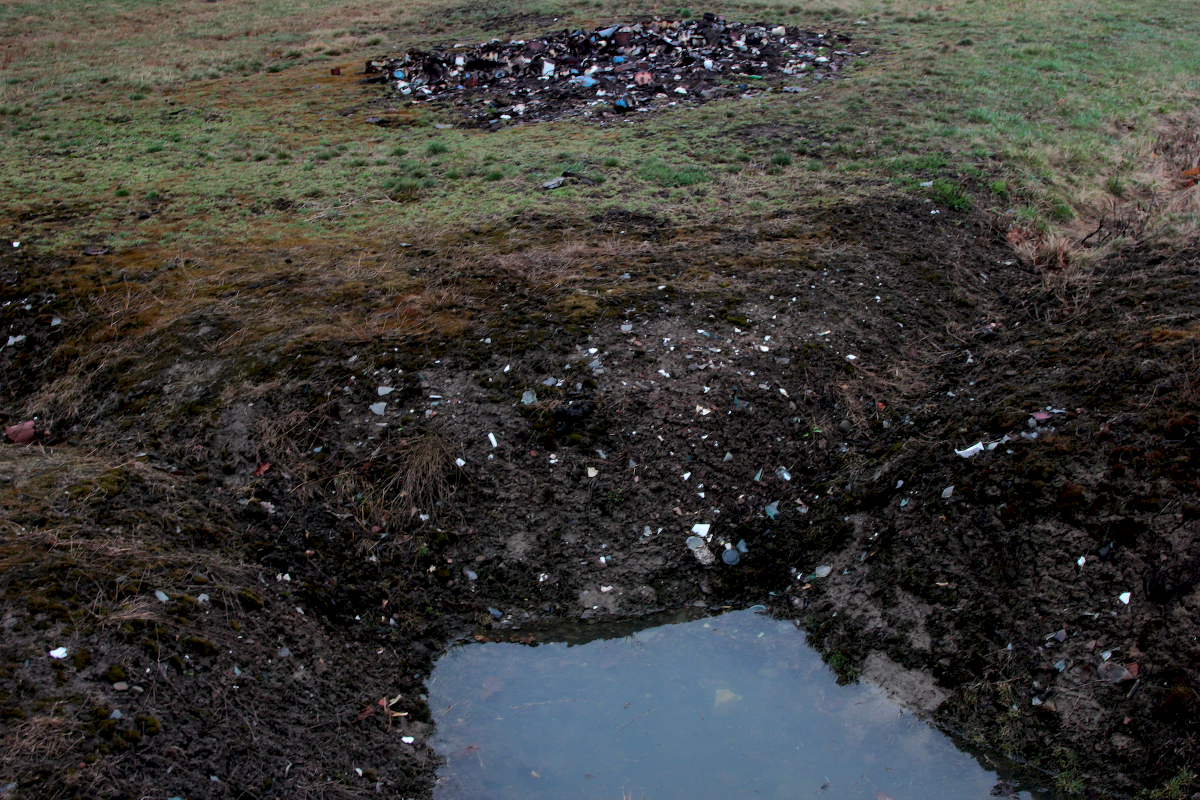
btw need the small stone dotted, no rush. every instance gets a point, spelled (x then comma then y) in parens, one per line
(822, 571)
(283, 652)
(495, 612)
(120, 686)
(844, 426)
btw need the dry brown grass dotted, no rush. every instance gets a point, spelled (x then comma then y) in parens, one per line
(414, 477)
(1154, 195)
(38, 740)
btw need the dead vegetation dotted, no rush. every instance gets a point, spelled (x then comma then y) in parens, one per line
(1154, 197)
(405, 479)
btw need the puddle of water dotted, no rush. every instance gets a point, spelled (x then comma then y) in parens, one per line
(736, 706)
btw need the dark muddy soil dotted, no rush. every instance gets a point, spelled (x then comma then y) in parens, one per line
(321, 517)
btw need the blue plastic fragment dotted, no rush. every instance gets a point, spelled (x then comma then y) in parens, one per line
(586, 81)
(731, 557)
(772, 510)
(495, 612)
(618, 59)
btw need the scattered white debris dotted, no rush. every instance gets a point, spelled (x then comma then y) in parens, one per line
(973, 450)
(701, 529)
(58, 652)
(1125, 597)
(702, 411)
(407, 739)
(851, 357)
(15, 340)
(384, 391)
(664, 373)
(492, 439)
(605, 589)
(686, 475)
(161, 595)
(460, 462)
(593, 472)
(1081, 561)
(378, 408)
(947, 492)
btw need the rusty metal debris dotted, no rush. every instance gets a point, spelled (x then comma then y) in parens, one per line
(613, 71)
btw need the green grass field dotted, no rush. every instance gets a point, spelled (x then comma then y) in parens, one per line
(161, 125)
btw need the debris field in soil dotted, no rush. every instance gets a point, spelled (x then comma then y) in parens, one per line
(586, 451)
(614, 70)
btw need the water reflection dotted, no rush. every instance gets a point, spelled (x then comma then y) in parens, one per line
(736, 706)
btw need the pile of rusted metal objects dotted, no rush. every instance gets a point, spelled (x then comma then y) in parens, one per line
(614, 71)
